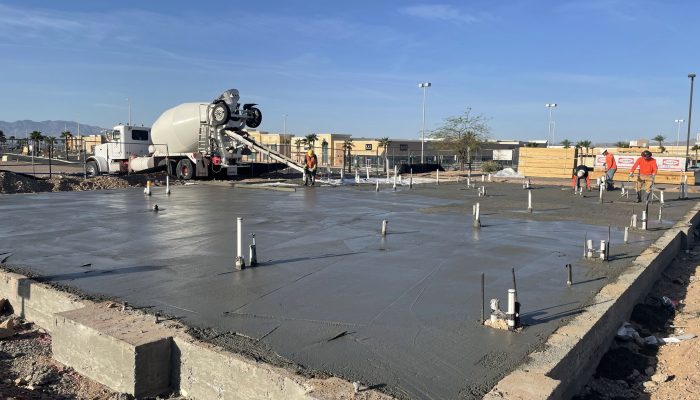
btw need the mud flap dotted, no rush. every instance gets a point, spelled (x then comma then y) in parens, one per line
(202, 166)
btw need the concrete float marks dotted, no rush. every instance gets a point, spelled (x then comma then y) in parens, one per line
(330, 293)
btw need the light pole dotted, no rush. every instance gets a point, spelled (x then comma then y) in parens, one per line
(423, 86)
(678, 131)
(550, 126)
(129, 102)
(690, 111)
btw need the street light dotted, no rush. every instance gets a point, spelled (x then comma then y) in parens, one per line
(129, 102)
(678, 131)
(690, 111)
(550, 127)
(423, 86)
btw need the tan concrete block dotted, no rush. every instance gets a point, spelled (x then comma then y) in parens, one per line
(125, 351)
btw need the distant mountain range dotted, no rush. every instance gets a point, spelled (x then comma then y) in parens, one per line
(18, 129)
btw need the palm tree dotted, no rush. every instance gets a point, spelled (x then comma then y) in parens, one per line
(583, 144)
(384, 143)
(566, 143)
(2, 137)
(66, 135)
(35, 136)
(297, 144)
(660, 139)
(695, 149)
(49, 141)
(347, 148)
(311, 140)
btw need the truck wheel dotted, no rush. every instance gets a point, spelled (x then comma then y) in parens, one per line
(220, 114)
(255, 118)
(92, 169)
(169, 168)
(184, 169)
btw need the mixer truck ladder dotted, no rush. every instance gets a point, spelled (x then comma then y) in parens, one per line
(241, 138)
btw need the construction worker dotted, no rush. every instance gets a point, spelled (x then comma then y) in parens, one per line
(647, 172)
(580, 172)
(610, 169)
(310, 167)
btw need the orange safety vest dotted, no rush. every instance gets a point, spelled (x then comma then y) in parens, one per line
(610, 161)
(646, 167)
(311, 161)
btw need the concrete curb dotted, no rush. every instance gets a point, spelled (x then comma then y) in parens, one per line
(130, 352)
(572, 352)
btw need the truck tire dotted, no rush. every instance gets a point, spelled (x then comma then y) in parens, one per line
(255, 119)
(92, 169)
(184, 169)
(220, 114)
(169, 168)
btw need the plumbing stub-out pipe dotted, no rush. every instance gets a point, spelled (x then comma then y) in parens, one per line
(589, 246)
(147, 190)
(477, 220)
(644, 220)
(602, 187)
(240, 259)
(513, 314)
(384, 224)
(437, 176)
(489, 177)
(167, 184)
(603, 250)
(569, 278)
(634, 221)
(529, 200)
(376, 187)
(253, 252)
(627, 232)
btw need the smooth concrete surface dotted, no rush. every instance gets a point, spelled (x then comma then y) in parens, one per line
(330, 294)
(128, 352)
(574, 347)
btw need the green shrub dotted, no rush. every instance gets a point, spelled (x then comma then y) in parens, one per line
(490, 166)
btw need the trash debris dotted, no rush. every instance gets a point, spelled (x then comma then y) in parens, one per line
(626, 332)
(679, 338)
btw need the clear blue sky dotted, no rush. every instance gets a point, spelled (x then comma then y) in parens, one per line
(618, 68)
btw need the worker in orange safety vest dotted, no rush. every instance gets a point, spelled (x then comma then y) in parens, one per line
(647, 172)
(610, 168)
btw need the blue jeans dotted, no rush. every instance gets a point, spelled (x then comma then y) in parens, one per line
(609, 177)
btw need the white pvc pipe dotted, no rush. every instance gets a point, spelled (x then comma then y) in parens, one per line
(661, 207)
(627, 232)
(167, 184)
(376, 188)
(239, 237)
(437, 176)
(634, 221)
(511, 308)
(476, 214)
(489, 177)
(148, 188)
(473, 209)
(603, 250)
(367, 166)
(644, 220)
(387, 169)
(601, 187)
(661, 196)
(483, 177)
(589, 246)
(384, 223)
(529, 200)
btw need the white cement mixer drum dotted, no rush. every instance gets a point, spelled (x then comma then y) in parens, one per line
(178, 127)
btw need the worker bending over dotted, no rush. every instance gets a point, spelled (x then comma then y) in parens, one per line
(580, 173)
(647, 172)
(610, 168)
(310, 167)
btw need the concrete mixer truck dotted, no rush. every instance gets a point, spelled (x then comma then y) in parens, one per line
(189, 140)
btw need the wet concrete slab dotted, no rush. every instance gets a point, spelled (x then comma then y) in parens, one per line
(331, 294)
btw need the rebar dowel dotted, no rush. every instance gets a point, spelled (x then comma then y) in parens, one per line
(482, 299)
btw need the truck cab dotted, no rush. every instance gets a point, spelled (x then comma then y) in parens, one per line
(123, 143)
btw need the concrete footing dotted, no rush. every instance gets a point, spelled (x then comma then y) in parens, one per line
(130, 352)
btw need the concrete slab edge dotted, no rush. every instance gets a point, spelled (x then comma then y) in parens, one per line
(198, 370)
(572, 352)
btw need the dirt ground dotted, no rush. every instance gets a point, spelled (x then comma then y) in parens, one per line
(635, 367)
(12, 183)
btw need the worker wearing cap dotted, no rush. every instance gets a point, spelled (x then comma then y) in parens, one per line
(311, 165)
(647, 172)
(580, 172)
(610, 169)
